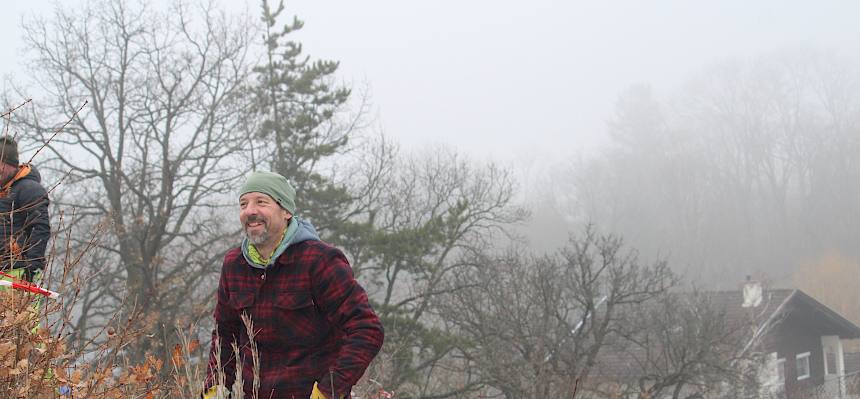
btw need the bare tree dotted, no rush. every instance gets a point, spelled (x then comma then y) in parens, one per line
(436, 207)
(152, 151)
(683, 345)
(535, 326)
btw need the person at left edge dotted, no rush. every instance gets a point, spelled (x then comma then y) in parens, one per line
(24, 224)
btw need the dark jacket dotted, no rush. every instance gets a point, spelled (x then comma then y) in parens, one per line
(24, 225)
(312, 320)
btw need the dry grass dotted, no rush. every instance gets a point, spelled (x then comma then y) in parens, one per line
(35, 363)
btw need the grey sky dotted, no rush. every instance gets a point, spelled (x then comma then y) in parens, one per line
(516, 80)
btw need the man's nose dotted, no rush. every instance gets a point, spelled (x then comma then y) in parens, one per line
(250, 209)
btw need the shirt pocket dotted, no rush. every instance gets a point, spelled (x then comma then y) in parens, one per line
(299, 322)
(240, 300)
(294, 300)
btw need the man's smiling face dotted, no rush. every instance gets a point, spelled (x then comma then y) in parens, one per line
(263, 220)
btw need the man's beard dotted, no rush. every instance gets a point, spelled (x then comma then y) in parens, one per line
(258, 238)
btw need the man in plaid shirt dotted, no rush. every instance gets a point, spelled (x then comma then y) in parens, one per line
(314, 332)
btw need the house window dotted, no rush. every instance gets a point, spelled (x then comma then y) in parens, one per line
(829, 360)
(803, 366)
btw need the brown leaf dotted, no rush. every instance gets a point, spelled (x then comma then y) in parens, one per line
(176, 356)
(76, 377)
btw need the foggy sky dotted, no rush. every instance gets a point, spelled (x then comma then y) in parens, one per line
(519, 81)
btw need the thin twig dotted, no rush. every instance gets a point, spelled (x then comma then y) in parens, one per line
(59, 130)
(54, 187)
(11, 110)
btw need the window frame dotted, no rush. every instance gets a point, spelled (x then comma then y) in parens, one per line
(805, 356)
(828, 351)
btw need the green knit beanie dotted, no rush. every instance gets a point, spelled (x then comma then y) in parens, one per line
(274, 185)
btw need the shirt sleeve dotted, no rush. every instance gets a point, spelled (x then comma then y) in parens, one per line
(345, 304)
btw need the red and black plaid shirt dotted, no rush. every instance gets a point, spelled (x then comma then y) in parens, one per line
(312, 321)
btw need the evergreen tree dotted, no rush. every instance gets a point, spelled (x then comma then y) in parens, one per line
(298, 105)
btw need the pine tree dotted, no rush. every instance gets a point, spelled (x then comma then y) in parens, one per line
(298, 106)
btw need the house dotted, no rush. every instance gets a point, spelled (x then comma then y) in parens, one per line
(802, 339)
(797, 340)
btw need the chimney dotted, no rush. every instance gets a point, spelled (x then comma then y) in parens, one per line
(752, 293)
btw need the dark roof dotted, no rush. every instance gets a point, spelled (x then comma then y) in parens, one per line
(779, 304)
(845, 328)
(776, 307)
(731, 302)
